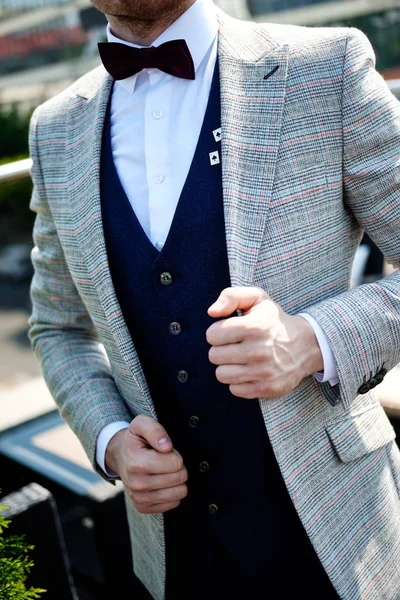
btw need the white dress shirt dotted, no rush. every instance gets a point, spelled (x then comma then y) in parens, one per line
(156, 121)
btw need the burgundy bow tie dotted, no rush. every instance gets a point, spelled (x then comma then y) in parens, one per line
(123, 61)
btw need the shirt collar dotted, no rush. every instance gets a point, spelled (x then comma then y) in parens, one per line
(198, 26)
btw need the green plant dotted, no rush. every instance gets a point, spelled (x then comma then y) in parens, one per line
(15, 566)
(14, 128)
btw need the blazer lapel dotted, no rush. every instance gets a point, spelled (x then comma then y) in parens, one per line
(84, 146)
(253, 71)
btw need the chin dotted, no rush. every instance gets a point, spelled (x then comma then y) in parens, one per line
(141, 10)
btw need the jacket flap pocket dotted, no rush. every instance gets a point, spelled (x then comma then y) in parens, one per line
(361, 433)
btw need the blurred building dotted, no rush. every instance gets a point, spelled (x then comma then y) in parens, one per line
(34, 33)
(44, 45)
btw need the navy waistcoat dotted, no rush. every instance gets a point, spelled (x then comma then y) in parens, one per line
(235, 486)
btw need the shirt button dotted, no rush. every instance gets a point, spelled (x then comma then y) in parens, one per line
(213, 509)
(159, 246)
(157, 114)
(204, 466)
(183, 376)
(158, 179)
(175, 328)
(166, 278)
(194, 422)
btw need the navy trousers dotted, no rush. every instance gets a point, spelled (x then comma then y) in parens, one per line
(200, 568)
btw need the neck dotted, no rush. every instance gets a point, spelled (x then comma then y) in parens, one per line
(144, 33)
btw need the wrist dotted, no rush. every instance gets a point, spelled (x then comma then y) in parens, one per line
(114, 451)
(310, 350)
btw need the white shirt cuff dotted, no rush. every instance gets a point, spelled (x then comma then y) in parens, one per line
(330, 370)
(103, 439)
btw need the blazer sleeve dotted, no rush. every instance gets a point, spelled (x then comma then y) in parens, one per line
(74, 364)
(363, 324)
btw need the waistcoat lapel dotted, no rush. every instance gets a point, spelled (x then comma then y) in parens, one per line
(86, 121)
(253, 71)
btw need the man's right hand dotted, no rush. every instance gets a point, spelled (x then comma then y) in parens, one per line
(151, 470)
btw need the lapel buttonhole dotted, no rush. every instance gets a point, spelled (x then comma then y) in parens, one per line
(271, 72)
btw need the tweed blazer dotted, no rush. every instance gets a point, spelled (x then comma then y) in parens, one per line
(310, 156)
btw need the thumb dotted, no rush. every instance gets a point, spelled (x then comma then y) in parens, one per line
(237, 298)
(152, 432)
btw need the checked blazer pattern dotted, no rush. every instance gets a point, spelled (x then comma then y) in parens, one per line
(310, 158)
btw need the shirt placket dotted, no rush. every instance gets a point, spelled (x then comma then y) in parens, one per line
(156, 135)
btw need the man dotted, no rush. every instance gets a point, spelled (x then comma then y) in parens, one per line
(198, 210)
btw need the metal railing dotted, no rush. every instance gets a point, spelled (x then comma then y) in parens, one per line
(394, 86)
(16, 170)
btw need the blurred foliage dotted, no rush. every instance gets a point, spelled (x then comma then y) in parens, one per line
(14, 201)
(15, 195)
(14, 128)
(15, 566)
(383, 31)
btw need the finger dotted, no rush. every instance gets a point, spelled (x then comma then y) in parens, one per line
(159, 508)
(152, 432)
(236, 298)
(148, 483)
(249, 391)
(228, 331)
(160, 496)
(230, 354)
(151, 462)
(234, 374)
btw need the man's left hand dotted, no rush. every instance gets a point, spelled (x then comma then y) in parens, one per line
(265, 353)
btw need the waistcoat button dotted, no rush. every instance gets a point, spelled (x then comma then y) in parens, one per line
(194, 421)
(213, 509)
(204, 466)
(183, 376)
(166, 278)
(175, 328)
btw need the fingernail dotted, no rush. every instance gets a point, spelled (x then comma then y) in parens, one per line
(217, 305)
(164, 443)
